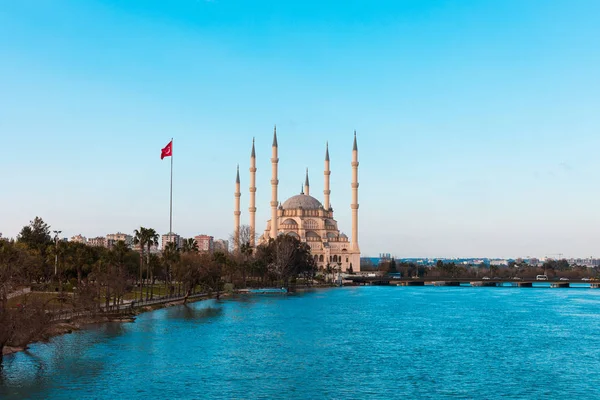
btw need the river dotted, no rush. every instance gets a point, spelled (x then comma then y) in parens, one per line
(343, 343)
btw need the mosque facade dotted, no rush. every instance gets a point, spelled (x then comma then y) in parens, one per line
(305, 217)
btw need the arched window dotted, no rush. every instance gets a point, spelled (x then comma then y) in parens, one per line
(335, 259)
(310, 224)
(321, 258)
(290, 222)
(293, 234)
(310, 235)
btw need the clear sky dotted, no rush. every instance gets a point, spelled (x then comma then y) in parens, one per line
(478, 121)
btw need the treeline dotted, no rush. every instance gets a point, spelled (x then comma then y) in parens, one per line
(551, 268)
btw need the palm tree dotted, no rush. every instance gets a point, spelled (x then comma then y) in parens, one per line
(189, 245)
(140, 238)
(151, 240)
(81, 257)
(170, 256)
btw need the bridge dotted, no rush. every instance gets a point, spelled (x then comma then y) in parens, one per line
(360, 280)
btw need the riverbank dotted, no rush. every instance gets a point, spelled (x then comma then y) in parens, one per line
(59, 328)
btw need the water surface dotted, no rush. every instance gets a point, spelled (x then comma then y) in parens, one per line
(364, 342)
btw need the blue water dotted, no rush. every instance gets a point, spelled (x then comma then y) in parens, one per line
(347, 343)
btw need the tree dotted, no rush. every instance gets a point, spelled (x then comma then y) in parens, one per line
(36, 235)
(17, 325)
(170, 256)
(145, 238)
(245, 236)
(140, 238)
(563, 265)
(215, 271)
(493, 269)
(151, 240)
(392, 269)
(189, 245)
(82, 258)
(119, 256)
(291, 258)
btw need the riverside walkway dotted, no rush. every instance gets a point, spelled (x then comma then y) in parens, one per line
(123, 309)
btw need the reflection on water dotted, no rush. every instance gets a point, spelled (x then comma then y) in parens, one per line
(191, 312)
(375, 342)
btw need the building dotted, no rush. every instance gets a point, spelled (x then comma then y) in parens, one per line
(305, 217)
(99, 241)
(205, 243)
(153, 249)
(113, 238)
(171, 237)
(221, 245)
(78, 239)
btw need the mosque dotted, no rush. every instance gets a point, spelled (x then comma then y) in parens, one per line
(305, 217)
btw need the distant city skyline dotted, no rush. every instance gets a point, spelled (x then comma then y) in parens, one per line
(477, 121)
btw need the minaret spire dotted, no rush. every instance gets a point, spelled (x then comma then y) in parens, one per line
(237, 212)
(274, 183)
(306, 185)
(327, 173)
(252, 208)
(354, 205)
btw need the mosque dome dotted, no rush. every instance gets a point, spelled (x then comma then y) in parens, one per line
(302, 200)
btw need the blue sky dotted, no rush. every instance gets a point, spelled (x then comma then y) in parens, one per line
(477, 121)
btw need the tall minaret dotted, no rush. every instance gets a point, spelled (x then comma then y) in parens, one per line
(252, 208)
(237, 212)
(354, 205)
(306, 185)
(274, 183)
(327, 172)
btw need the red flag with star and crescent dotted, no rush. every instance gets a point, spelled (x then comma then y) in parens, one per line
(167, 151)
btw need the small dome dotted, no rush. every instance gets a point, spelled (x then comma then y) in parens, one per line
(302, 200)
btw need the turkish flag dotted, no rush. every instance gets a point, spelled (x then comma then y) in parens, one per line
(167, 151)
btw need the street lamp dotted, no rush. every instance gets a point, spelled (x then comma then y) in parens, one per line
(56, 251)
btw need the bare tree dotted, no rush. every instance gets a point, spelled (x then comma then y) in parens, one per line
(285, 254)
(20, 324)
(244, 237)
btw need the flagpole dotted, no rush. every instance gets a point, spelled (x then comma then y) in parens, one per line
(171, 198)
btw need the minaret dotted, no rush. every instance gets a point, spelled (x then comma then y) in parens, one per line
(354, 205)
(237, 212)
(327, 172)
(252, 208)
(306, 185)
(274, 183)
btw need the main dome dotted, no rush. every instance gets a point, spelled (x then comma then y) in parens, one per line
(302, 200)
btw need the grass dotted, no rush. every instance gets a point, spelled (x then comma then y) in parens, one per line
(51, 300)
(158, 290)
